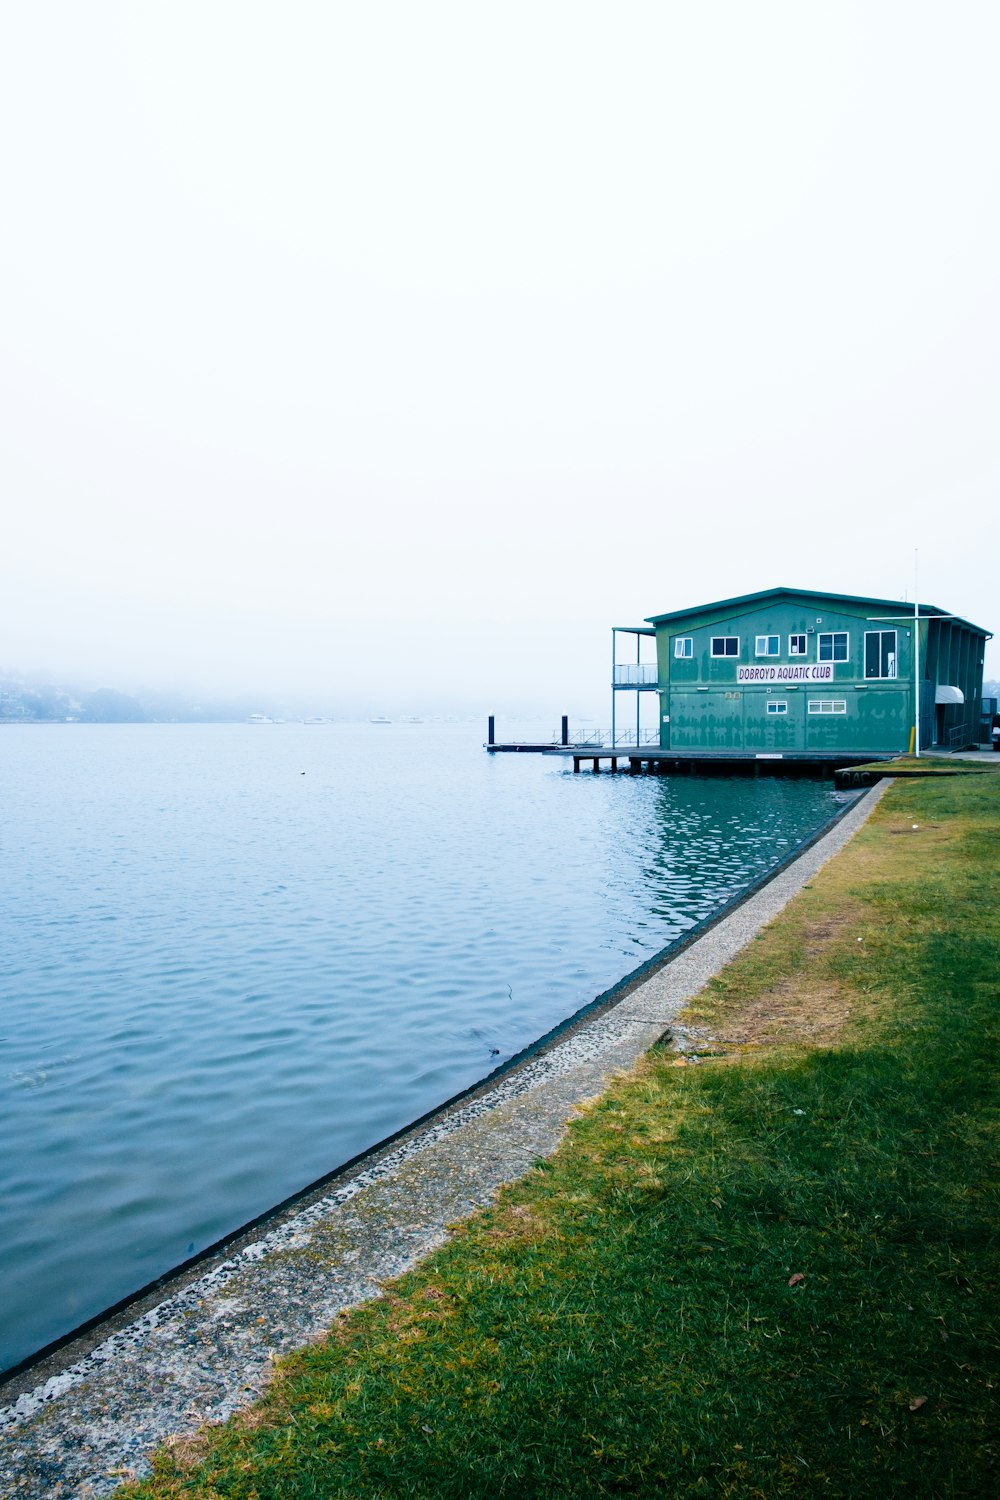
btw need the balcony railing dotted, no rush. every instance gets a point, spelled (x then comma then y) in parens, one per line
(636, 674)
(961, 735)
(601, 737)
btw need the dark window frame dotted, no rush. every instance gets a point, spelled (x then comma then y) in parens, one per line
(834, 636)
(882, 656)
(727, 641)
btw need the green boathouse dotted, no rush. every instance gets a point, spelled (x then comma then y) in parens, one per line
(793, 672)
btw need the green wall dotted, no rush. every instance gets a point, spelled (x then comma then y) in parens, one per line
(708, 707)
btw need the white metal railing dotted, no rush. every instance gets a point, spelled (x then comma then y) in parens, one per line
(598, 738)
(635, 674)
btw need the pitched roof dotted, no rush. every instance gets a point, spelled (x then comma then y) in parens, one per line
(899, 605)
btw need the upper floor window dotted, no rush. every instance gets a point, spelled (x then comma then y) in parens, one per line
(683, 646)
(725, 645)
(833, 645)
(768, 645)
(880, 653)
(796, 645)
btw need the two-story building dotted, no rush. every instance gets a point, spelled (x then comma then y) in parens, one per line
(790, 671)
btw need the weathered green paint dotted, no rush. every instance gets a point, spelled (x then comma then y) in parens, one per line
(705, 705)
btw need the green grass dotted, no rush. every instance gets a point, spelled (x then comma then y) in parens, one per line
(929, 765)
(771, 1274)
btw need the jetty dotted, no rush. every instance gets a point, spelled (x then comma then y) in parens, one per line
(635, 759)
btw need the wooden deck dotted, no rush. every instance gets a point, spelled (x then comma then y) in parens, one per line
(651, 761)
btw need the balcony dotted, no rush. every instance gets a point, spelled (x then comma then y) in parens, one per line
(639, 676)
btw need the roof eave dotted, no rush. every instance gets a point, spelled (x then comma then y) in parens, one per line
(741, 599)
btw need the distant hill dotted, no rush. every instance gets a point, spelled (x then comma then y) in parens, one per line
(29, 701)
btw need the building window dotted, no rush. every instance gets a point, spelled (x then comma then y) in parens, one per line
(768, 645)
(796, 645)
(828, 705)
(725, 645)
(880, 653)
(683, 646)
(833, 646)
(776, 707)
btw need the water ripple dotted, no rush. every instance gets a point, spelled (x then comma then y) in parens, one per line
(220, 979)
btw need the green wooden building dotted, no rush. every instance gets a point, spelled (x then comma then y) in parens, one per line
(790, 671)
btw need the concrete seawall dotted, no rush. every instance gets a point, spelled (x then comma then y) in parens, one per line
(200, 1349)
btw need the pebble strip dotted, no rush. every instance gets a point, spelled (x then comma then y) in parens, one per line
(205, 1350)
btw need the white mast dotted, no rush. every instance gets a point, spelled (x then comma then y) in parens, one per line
(916, 659)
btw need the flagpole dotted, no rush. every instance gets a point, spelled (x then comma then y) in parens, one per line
(916, 658)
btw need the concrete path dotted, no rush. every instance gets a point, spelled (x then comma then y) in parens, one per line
(90, 1417)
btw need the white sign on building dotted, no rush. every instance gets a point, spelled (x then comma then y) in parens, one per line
(817, 671)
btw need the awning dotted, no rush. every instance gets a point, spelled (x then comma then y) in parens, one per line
(944, 693)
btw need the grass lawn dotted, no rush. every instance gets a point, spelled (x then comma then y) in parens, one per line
(770, 1272)
(929, 765)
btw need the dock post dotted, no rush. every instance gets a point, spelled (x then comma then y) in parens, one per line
(565, 729)
(491, 730)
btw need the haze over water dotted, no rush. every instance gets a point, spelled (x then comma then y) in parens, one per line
(235, 956)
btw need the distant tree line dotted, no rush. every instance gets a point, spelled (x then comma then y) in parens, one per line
(52, 704)
(35, 702)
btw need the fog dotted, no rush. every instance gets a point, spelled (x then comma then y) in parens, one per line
(386, 356)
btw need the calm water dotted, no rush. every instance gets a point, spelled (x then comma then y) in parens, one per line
(231, 957)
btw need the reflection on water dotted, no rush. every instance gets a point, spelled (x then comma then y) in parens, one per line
(233, 956)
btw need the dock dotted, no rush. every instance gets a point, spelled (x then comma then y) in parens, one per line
(650, 760)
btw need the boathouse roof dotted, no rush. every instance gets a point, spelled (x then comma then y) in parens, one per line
(762, 595)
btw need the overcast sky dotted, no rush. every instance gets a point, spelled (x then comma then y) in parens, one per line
(396, 351)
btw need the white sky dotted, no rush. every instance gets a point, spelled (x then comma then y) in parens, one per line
(396, 351)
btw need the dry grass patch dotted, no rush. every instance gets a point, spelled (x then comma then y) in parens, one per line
(788, 998)
(517, 1224)
(188, 1451)
(793, 1013)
